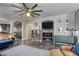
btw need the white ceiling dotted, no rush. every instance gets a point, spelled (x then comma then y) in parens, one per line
(49, 9)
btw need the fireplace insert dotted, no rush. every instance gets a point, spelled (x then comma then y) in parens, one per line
(47, 34)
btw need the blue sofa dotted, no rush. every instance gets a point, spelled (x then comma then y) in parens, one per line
(76, 49)
(5, 43)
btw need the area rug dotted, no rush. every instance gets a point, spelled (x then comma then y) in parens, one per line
(24, 50)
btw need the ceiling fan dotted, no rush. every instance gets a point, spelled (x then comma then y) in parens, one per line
(28, 11)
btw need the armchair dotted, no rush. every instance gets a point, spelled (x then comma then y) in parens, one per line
(68, 50)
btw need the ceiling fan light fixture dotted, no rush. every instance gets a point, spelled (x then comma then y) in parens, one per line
(28, 14)
(28, 11)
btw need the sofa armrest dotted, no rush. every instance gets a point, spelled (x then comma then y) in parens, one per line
(68, 53)
(55, 52)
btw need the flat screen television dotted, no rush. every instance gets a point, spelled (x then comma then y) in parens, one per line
(47, 25)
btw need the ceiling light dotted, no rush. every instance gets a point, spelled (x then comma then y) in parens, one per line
(29, 11)
(28, 14)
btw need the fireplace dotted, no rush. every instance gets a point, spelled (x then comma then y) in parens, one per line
(47, 34)
(47, 30)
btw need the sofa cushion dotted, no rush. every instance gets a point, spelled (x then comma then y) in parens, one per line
(76, 49)
(55, 52)
(67, 47)
(68, 53)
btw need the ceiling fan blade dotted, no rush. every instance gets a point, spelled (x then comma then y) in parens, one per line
(24, 5)
(22, 14)
(17, 7)
(38, 11)
(32, 15)
(34, 6)
(18, 11)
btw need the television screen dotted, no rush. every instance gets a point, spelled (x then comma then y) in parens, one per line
(47, 25)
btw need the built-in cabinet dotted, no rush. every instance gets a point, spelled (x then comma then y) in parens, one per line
(47, 30)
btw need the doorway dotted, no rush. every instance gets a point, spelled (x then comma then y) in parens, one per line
(18, 29)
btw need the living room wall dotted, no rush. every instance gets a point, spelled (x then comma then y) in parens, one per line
(66, 21)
